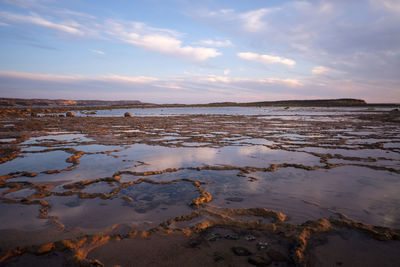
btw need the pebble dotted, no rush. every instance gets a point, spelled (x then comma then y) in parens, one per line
(250, 237)
(262, 245)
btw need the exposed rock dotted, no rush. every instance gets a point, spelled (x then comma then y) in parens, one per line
(218, 257)
(70, 114)
(258, 260)
(214, 237)
(127, 114)
(241, 251)
(231, 237)
(276, 255)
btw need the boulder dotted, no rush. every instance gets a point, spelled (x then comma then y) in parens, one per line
(70, 114)
(127, 114)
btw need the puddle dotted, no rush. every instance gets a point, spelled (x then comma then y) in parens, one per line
(23, 193)
(72, 137)
(36, 162)
(21, 217)
(160, 158)
(7, 140)
(353, 191)
(148, 206)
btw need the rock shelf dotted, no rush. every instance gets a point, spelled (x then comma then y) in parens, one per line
(224, 189)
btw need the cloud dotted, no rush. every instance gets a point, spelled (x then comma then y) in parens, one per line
(46, 7)
(23, 3)
(98, 52)
(286, 82)
(252, 20)
(266, 59)
(227, 71)
(323, 33)
(388, 5)
(215, 79)
(320, 70)
(192, 88)
(225, 43)
(289, 83)
(41, 77)
(76, 78)
(39, 21)
(158, 40)
(127, 79)
(163, 41)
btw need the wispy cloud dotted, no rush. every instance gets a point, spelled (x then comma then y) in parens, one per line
(192, 88)
(323, 33)
(159, 40)
(24, 3)
(98, 52)
(320, 70)
(389, 5)
(216, 43)
(77, 78)
(196, 84)
(252, 20)
(46, 7)
(41, 77)
(266, 59)
(286, 82)
(40, 21)
(127, 79)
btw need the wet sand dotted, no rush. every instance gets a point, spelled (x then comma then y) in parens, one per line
(310, 187)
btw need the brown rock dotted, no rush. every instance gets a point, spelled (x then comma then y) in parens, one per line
(241, 251)
(276, 255)
(258, 260)
(70, 114)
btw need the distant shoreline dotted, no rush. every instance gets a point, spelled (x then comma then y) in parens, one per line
(103, 104)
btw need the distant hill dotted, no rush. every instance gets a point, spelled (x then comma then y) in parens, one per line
(316, 102)
(15, 102)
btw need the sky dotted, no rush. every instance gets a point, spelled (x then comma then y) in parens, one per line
(186, 51)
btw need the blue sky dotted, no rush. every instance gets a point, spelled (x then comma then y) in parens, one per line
(188, 51)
